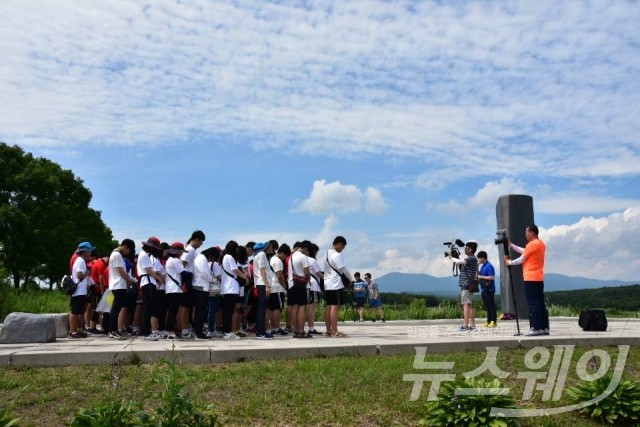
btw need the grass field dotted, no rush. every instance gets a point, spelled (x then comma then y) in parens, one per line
(352, 391)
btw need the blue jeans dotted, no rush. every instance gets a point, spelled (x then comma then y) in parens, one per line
(537, 309)
(214, 305)
(262, 310)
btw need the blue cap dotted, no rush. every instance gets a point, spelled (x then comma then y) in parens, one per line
(260, 246)
(85, 246)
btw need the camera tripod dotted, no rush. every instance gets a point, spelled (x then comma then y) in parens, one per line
(350, 301)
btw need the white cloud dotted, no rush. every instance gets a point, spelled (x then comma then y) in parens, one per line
(332, 197)
(581, 204)
(374, 202)
(487, 196)
(490, 88)
(599, 248)
(343, 198)
(545, 200)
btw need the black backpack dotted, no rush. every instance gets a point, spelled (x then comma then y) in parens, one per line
(593, 320)
(68, 285)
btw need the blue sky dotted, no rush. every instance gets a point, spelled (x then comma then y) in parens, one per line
(396, 124)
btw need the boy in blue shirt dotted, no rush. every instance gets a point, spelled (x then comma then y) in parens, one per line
(486, 278)
(360, 290)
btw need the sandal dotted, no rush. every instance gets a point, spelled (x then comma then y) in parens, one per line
(339, 335)
(307, 335)
(327, 334)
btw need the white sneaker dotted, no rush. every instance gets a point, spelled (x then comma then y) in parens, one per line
(152, 337)
(231, 336)
(215, 334)
(534, 333)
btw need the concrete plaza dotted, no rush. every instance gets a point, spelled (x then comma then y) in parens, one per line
(364, 339)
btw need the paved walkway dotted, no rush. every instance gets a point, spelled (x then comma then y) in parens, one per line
(370, 339)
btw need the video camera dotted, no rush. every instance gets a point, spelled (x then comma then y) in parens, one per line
(502, 238)
(454, 248)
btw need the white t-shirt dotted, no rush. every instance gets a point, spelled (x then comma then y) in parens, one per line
(80, 266)
(315, 269)
(260, 261)
(277, 265)
(159, 269)
(217, 271)
(229, 283)
(298, 263)
(115, 280)
(189, 256)
(173, 268)
(246, 269)
(202, 273)
(144, 261)
(332, 280)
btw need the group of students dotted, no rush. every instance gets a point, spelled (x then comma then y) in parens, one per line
(175, 292)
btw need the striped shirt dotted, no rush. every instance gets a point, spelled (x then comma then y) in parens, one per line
(468, 270)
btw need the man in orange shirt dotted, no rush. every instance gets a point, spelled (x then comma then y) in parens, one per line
(532, 261)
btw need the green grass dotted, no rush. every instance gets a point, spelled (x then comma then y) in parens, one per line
(349, 391)
(29, 300)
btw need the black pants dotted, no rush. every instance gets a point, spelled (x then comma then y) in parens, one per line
(262, 310)
(539, 316)
(173, 305)
(162, 309)
(201, 304)
(229, 302)
(150, 304)
(119, 302)
(488, 298)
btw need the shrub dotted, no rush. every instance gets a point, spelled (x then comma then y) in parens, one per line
(619, 408)
(452, 410)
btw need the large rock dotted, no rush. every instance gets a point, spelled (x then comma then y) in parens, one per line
(27, 328)
(62, 323)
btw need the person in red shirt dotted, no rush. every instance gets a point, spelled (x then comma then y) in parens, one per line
(532, 261)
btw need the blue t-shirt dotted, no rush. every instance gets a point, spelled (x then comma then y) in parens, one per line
(488, 270)
(360, 288)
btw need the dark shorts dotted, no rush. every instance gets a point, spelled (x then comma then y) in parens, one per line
(132, 299)
(314, 297)
(93, 298)
(78, 304)
(152, 300)
(276, 301)
(298, 295)
(334, 297)
(375, 303)
(360, 301)
(188, 299)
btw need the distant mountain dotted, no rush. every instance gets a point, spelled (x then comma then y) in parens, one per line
(448, 286)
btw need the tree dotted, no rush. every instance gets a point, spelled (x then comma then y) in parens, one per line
(44, 209)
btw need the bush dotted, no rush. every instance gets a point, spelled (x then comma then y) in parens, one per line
(452, 410)
(619, 408)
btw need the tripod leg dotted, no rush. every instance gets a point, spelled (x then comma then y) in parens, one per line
(515, 304)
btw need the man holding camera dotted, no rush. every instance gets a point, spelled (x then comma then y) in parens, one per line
(532, 261)
(468, 276)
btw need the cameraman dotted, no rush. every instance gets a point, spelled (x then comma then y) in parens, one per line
(532, 261)
(468, 271)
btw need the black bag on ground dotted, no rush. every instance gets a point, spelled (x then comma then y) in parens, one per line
(593, 320)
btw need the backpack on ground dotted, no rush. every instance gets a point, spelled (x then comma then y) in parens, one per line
(68, 285)
(593, 320)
